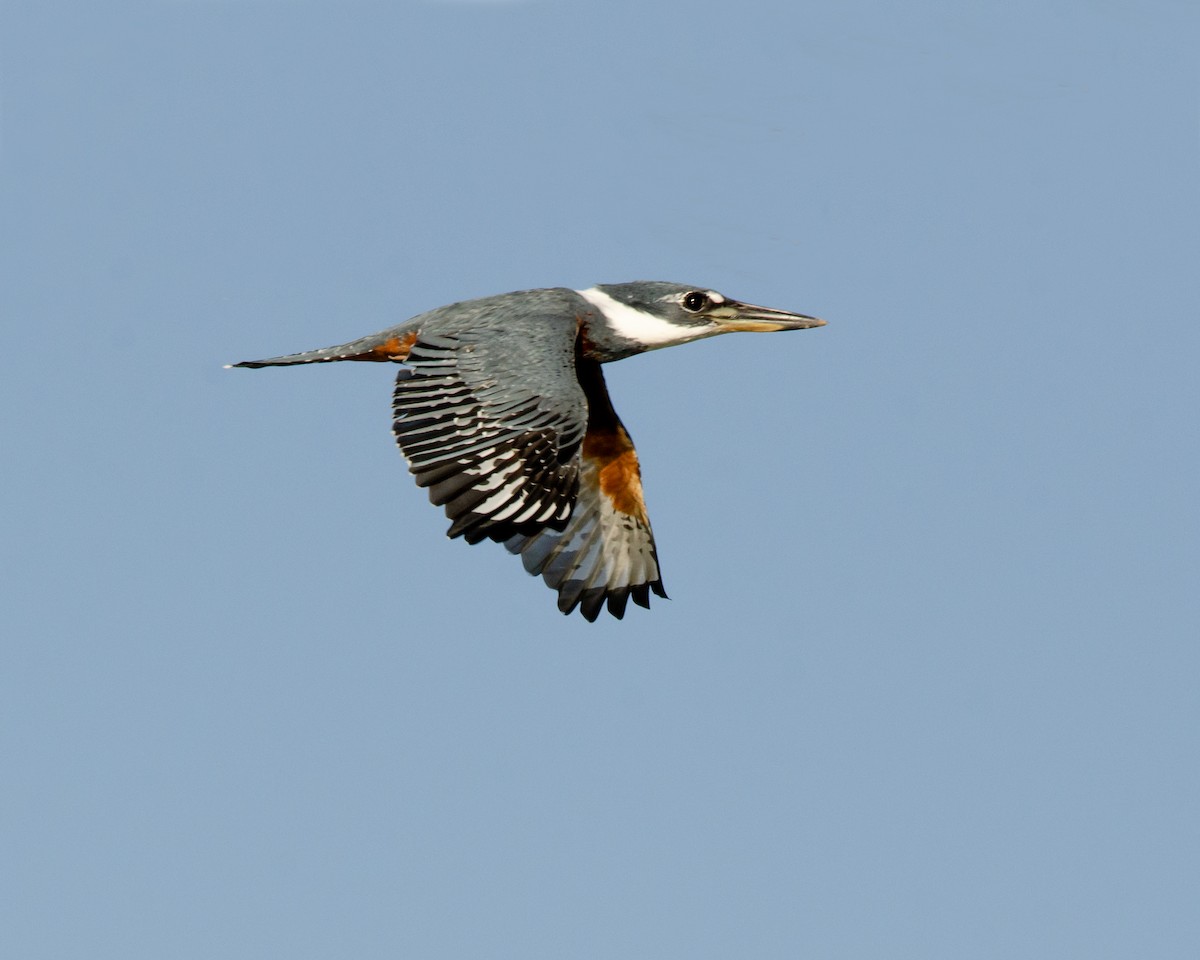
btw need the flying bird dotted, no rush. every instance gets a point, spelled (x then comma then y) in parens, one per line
(503, 415)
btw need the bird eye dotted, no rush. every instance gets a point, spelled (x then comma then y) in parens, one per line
(695, 301)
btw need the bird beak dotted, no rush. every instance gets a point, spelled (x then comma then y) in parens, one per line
(745, 317)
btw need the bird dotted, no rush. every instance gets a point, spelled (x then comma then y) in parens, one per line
(501, 410)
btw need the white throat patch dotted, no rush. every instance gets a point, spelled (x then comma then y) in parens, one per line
(637, 325)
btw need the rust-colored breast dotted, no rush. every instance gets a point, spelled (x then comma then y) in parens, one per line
(619, 474)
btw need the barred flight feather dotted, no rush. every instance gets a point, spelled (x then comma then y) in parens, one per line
(499, 468)
(601, 556)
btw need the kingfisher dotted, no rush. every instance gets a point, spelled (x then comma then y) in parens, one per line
(501, 410)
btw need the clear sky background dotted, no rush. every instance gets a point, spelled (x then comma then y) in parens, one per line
(928, 683)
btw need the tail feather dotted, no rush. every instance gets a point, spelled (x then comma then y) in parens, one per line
(389, 345)
(325, 355)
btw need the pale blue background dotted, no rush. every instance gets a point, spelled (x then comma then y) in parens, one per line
(928, 686)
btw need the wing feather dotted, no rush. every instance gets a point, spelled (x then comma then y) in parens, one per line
(513, 434)
(606, 551)
(495, 447)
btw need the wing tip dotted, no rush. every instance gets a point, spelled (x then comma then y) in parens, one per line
(592, 600)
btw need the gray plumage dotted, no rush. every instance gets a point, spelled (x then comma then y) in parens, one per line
(503, 414)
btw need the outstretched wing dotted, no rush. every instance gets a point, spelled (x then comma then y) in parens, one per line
(490, 417)
(605, 553)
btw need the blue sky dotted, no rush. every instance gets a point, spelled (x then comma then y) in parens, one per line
(927, 684)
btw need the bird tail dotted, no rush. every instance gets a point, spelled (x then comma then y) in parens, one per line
(390, 345)
(324, 355)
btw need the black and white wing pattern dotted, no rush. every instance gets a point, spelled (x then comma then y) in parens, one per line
(491, 421)
(511, 430)
(606, 551)
(514, 435)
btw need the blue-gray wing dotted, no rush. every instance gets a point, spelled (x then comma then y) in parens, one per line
(490, 416)
(515, 436)
(606, 552)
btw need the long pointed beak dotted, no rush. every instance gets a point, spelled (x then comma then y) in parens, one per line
(746, 317)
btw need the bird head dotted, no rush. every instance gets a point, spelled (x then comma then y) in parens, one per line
(656, 314)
